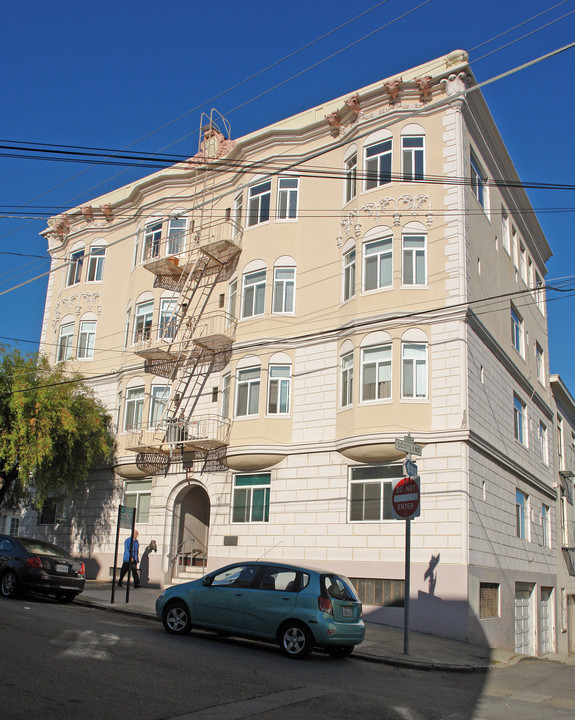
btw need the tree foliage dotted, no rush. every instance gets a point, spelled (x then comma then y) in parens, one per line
(53, 429)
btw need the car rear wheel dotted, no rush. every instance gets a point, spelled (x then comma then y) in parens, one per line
(66, 597)
(295, 640)
(9, 584)
(340, 651)
(176, 618)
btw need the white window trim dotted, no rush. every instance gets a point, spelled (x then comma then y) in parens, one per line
(289, 192)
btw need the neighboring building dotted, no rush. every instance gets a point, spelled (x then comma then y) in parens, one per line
(266, 319)
(564, 451)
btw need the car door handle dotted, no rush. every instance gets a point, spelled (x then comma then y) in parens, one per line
(239, 594)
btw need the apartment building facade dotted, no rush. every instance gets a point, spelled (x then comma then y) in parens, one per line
(265, 319)
(564, 451)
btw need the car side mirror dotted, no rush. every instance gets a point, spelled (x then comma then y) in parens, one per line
(207, 580)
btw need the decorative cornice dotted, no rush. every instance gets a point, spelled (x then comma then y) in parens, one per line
(76, 304)
(424, 85)
(393, 88)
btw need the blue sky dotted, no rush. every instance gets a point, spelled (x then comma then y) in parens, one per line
(111, 74)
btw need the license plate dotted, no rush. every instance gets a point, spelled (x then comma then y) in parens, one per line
(347, 612)
(62, 568)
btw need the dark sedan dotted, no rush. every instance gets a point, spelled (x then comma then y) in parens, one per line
(39, 566)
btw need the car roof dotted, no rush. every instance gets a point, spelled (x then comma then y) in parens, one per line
(279, 564)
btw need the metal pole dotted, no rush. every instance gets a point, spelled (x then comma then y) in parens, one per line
(407, 586)
(116, 555)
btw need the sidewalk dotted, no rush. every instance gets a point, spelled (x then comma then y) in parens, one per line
(382, 643)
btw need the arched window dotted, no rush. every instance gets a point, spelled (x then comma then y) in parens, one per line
(96, 259)
(378, 258)
(414, 370)
(284, 286)
(248, 377)
(346, 369)
(279, 384)
(87, 337)
(254, 289)
(376, 367)
(65, 339)
(414, 255)
(350, 174)
(412, 153)
(377, 159)
(75, 264)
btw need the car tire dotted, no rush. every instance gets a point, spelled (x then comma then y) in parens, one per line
(66, 597)
(176, 618)
(295, 640)
(9, 584)
(340, 651)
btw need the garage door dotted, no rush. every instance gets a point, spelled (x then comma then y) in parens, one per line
(546, 621)
(523, 624)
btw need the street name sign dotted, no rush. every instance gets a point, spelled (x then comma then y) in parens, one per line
(407, 445)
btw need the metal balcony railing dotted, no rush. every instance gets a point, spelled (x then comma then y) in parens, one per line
(203, 433)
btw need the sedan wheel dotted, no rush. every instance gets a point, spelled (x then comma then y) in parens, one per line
(9, 584)
(176, 619)
(66, 597)
(295, 640)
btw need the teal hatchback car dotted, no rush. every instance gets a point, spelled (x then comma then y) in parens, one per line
(297, 607)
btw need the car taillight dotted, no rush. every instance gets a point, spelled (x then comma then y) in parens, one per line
(324, 604)
(34, 562)
(82, 570)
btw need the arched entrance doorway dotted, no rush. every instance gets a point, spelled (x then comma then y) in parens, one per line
(191, 531)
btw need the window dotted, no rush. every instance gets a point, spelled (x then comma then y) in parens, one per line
(377, 266)
(349, 275)
(381, 592)
(287, 198)
(279, 389)
(86, 340)
(251, 500)
(376, 373)
(168, 325)
(522, 514)
(412, 158)
(226, 383)
(75, 268)
(489, 600)
(350, 172)
(414, 370)
(414, 261)
(540, 363)
(505, 231)
(14, 526)
(347, 380)
(238, 212)
(137, 495)
(560, 440)
(517, 331)
(248, 392)
(522, 262)
(539, 293)
(152, 238)
(127, 328)
(545, 527)
(543, 444)
(284, 290)
(176, 235)
(158, 403)
(232, 299)
(519, 420)
(259, 203)
(134, 409)
(378, 164)
(96, 263)
(65, 340)
(477, 181)
(370, 492)
(143, 321)
(52, 511)
(254, 293)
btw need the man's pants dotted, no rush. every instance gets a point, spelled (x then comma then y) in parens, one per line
(134, 567)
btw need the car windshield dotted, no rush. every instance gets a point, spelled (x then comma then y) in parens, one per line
(338, 587)
(38, 547)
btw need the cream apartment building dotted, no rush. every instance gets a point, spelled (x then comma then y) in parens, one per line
(564, 450)
(265, 319)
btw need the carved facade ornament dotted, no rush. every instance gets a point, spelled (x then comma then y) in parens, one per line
(424, 85)
(107, 212)
(76, 304)
(333, 120)
(455, 84)
(353, 103)
(60, 226)
(213, 146)
(393, 88)
(88, 213)
(385, 208)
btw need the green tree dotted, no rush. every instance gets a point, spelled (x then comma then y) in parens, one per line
(53, 429)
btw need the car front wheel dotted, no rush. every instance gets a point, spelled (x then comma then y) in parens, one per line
(295, 640)
(9, 584)
(176, 618)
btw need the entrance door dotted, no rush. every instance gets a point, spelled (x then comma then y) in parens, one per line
(523, 623)
(192, 528)
(546, 616)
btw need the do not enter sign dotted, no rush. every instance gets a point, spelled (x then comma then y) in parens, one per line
(405, 498)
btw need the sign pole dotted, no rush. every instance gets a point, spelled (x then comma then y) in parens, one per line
(407, 586)
(116, 554)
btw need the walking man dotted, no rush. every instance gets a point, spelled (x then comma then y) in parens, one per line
(131, 563)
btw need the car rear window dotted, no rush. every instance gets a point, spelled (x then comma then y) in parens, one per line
(337, 587)
(42, 548)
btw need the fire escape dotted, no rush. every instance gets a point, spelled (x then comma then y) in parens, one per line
(195, 340)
